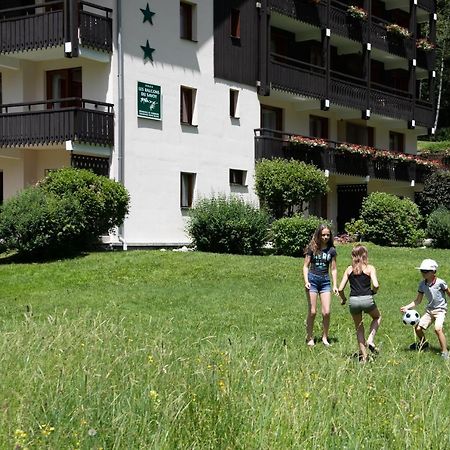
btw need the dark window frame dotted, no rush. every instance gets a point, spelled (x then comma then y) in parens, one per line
(396, 142)
(317, 123)
(187, 105)
(186, 21)
(235, 23)
(234, 99)
(190, 182)
(237, 177)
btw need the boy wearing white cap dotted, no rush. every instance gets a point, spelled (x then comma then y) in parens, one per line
(434, 289)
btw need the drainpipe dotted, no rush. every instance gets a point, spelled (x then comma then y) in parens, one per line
(120, 114)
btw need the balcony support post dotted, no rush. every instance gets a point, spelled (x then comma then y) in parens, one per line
(432, 28)
(263, 48)
(326, 61)
(71, 28)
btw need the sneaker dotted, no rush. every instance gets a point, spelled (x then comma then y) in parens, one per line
(422, 345)
(444, 355)
(373, 349)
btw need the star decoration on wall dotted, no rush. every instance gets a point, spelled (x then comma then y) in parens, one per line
(148, 15)
(148, 51)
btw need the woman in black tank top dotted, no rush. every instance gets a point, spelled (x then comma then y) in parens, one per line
(363, 285)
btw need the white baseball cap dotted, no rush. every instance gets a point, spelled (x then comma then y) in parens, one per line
(428, 264)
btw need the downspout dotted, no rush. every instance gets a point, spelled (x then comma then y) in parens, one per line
(120, 113)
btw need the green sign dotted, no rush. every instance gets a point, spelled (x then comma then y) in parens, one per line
(148, 101)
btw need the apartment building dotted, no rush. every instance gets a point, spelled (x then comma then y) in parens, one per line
(178, 100)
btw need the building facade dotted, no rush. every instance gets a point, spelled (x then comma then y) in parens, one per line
(178, 100)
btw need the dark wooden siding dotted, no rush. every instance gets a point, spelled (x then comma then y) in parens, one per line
(236, 59)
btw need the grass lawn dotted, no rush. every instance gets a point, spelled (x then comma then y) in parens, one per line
(164, 350)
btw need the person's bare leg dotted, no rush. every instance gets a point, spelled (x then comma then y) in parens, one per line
(312, 311)
(359, 326)
(325, 300)
(376, 320)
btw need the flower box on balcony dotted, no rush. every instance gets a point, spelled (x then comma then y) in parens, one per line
(425, 45)
(357, 13)
(396, 30)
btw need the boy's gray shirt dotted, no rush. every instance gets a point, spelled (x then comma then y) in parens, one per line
(435, 293)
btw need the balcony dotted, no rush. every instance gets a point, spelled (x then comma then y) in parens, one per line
(302, 78)
(54, 23)
(55, 122)
(340, 158)
(341, 23)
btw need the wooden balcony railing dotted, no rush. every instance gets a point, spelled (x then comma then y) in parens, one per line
(277, 144)
(358, 30)
(53, 23)
(56, 121)
(302, 78)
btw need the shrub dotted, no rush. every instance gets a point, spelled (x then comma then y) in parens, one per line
(356, 229)
(284, 185)
(391, 220)
(36, 222)
(438, 227)
(105, 201)
(228, 225)
(290, 235)
(435, 193)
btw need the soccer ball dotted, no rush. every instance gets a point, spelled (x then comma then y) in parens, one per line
(411, 317)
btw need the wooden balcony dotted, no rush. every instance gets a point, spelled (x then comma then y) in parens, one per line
(276, 144)
(54, 23)
(342, 24)
(302, 78)
(55, 122)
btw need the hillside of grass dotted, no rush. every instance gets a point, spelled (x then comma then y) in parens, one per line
(425, 147)
(167, 350)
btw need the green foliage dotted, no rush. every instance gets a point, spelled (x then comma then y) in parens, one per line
(67, 211)
(391, 220)
(228, 225)
(356, 229)
(430, 147)
(105, 201)
(438, 227)
(290, 235)
(38, 222)
(284, 185)
(435, 193)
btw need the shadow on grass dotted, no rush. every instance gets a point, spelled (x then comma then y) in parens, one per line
(42, 257)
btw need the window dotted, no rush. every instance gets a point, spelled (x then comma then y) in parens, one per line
(238, 177)
(318, 127)
(187, 105)
(235, 31)
(187, 21)
(361, 135)
(271, 117)
(1, 187)
(234, 103)
(64, 83)
(187, 189)
(1, 97)
(396, 142)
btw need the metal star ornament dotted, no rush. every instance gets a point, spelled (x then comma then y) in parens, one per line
(148, 15)
(148, 51)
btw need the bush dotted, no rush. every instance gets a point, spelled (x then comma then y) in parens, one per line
(35, 222)
(435, 193)
(228, 225)
(284, 185)
(290, 235)
(65, 212)
(438, 227)
(105, 202)
(391, 220)
(356, 229)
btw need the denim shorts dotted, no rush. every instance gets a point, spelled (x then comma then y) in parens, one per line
(319, 283)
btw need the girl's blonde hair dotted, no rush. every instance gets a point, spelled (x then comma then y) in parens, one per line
(360, 258)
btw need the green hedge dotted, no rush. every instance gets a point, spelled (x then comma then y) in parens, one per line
(228, 225)
(438, 227)
(291, 235)
(391, 220)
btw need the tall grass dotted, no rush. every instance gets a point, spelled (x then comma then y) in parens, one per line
(146, 350)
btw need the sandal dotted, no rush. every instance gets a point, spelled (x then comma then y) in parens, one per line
(373, 349)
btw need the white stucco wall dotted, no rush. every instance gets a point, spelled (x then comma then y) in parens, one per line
(157, 151)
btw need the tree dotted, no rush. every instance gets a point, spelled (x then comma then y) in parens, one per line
(284, 186)
(435, 193)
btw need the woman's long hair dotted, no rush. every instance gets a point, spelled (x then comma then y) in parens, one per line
(359, 258)
(315, 244)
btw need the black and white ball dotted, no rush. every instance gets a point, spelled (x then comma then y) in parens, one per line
(411, 317)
